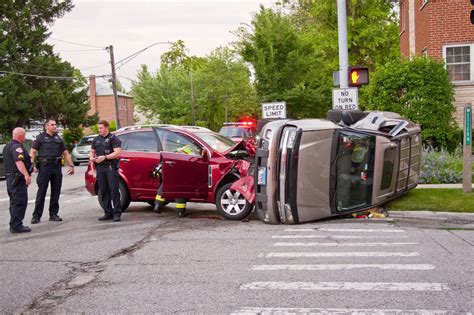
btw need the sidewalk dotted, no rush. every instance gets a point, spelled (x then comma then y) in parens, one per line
(449, 186)
(466, 219)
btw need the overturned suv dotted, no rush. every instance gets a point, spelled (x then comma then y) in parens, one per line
(311, 169)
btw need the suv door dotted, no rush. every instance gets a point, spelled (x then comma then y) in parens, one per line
(185, 170)
(140, 155)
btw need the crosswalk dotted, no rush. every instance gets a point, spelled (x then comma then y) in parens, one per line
(299, 252)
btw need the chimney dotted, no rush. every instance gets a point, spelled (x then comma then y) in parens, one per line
(92, 96)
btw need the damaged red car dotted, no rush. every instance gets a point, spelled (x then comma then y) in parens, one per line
(198, 164)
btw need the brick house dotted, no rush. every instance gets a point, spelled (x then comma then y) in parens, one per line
(101, 100)
(442, 29)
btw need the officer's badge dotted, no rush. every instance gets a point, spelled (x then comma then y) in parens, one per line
(21, 156)
(19, 150)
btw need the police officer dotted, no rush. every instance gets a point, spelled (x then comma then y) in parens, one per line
(105, 154)
(49, 148)
(17, 165)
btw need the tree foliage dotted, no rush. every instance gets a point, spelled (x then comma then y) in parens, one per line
(23, 49)
(420, 90)
(220, 81)
(294, 49)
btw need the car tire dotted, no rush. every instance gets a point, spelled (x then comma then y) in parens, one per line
(76, 163)
(231, 204)
(124, 197)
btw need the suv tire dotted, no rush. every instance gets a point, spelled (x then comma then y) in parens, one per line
(231, 204)
(124, 196)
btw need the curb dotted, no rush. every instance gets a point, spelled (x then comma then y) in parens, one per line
(451, 217)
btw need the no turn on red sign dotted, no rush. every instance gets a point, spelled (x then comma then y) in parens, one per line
(345, 99)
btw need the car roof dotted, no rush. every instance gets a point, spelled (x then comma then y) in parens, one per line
(189, 129)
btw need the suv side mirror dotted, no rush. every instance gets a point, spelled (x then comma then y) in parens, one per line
(205, 155)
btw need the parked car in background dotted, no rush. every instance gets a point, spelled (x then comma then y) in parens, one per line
(80, 153)
(198, 164)
(241, 130)
(314, 168)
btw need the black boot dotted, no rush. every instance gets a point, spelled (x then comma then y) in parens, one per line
(182, 213)
(158, 207)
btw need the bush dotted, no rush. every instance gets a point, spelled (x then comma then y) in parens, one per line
(420, 90)
(440, 166)
(71, 136)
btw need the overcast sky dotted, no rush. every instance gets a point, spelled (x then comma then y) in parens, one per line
(131, 25)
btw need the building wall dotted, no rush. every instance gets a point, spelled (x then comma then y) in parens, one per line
(404, 28)
(449, 23)
(106, 109)
(422, 15)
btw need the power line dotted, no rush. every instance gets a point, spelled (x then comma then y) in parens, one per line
(48, 76)
(96, 66)
(79, 50)
(72, 43)
(132, 56)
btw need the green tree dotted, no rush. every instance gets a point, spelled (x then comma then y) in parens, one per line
(222, 87)
(420, 90)
(294, 49)
(221, 81)
(23, 49)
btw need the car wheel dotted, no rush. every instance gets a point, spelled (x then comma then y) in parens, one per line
(76, 163)
(124, 197)
(231, 204)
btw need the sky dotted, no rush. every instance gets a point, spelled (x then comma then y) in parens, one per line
(131, 25)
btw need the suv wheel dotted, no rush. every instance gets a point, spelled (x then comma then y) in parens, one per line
(124, 197)
(231, 204)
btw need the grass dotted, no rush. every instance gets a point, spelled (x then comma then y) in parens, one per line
(442, 200)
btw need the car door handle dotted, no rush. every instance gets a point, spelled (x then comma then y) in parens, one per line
(170, 162)
(124, 160)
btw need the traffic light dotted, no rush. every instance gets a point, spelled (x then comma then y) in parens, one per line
(472, 13)
(359, 76)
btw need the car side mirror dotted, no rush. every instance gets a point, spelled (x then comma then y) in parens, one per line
(205, 155)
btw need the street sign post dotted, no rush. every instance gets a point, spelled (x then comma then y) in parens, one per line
(467, 153)
(346, 99)
(274, 110)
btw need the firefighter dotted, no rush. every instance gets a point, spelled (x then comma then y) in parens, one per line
(105, 154)
(17, 170)
(49, 148)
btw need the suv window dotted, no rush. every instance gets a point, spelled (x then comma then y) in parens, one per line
(177, 143)
(86, 141)
(142, 141)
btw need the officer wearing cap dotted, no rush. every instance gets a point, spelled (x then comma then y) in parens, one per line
(105, 154)
(17, 165)
(49, 148)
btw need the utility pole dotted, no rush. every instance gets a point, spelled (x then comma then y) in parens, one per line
(114, 86)
(342, 39)
(193, 105)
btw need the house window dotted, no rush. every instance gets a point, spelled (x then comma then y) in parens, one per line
(458, 62)
(402, 16)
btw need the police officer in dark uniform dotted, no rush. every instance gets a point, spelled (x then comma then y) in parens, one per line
(105, 154)
(17, 165)
(49, 148)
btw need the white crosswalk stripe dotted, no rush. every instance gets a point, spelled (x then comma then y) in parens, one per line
(300, 310)
(368, 244)
(345, 267)
(341, 237)
(344, 286)
(345, 230)
(342, 254)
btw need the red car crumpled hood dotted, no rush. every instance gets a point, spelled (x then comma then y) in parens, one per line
(249, 146)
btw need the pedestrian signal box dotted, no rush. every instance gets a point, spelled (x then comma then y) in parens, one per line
(358, 76)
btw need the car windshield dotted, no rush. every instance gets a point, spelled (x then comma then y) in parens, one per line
(216, 141)
(86, 141)
(235, 132)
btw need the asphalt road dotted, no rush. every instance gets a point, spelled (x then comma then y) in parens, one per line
(151, 263)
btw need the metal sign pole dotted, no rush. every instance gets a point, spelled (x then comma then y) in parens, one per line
(467, 153)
